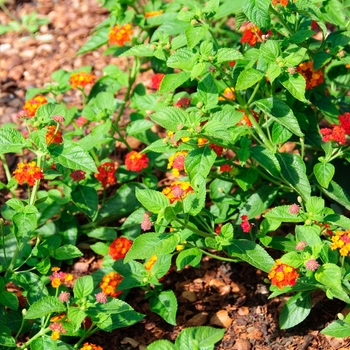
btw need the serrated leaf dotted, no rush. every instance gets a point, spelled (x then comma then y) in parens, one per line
(308, 234)
(11, 141)
(338, 194)
(86, 199)
(66, 251)
(138, 126)
(152, 200)
(200, 161)
(266, 159)
(270, 50)
(324, 173)
(282, 214)
(172, 81)
(170, 118)
(43, 343)
(198, 69)
(43, 307)
(183, 59)
(337, 329)
(83, 287)
(226, 54)
(143, 50)
(165, 305)
(301, 36)
(9, 300)
(161, 345)
(295, 84)
(248, 77)
(281, 113)
(97, 40)
(190, 256)
(194, 35)
(208, 92)
(339, 220)
(257, 12)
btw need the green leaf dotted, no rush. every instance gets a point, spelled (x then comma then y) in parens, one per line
(226, 54)
(280, 134)
(301, 36)
(270, 50)
(203, 337)
(103, 233)
(194, 35)
(200, 161)
(294, 172)
(25, 223)
(11, 141)
(273, 72)
(66, 251)
(86, 199)
(337, 329)
(100, 248)
(338, 194)
(198, 69)
(282, 213)
(9, 300)
(97, 40)
(246, 178)
(165, 305)
(248, 77)
(324, 173)
(339, 220)
(208, 92)
(72, 156)
(170, 118)
(152, 243)
(308, 234)
(295, 84)
(161, 345)
(296, 309)
(139, 126)
(172, 81)
(266, 159)
(83, 287)
(5, 337)
(143, 50)
(190, 257)
(251, 253)
(257, 12)
(43, 343)
(43, 307)
(183, 59)
(279, 111)
(152, 200)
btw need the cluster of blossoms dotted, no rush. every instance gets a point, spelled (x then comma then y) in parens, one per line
(78, 175)
(245, 225)
(217, 149)
(58, 277)
(119, 247)
(341, 241)
(294, 209)
(109, 284)
(90, 346)
(282, 275)
(252, 34)
(150, 263)
(177, 162)
(156, 79)
(228, 94)
(282, 2)
(135, 161)
(101, 298)
(57, 330)
(177, 191)
(81, 79)
(53, 135)
(171, 137)
(64, 297)
(225, 168)
(313, 77)
(81, 121)
(153, 13)
(33, 104)
(29, 173)
(245, 120)
(312, 265)
(339, 132)
(106, 174)
(120, 35)
(146, 223)
(183, 102)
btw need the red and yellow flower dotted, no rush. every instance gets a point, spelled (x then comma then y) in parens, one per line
(57, 330)
(282, 2)
(119, 247)
(228, 94)
(153, 13)
(313, 77)
(135, 161)
(91, 346)
(81, 79)
(120, 35)
(29, 173)
(53, 135)
(282, 275)
(252, 34)
(106, 174)
(110, 283)
(177, 162)
(33, 104)
(59, 277)
(150, 263)
(341, 241)
(177, 191)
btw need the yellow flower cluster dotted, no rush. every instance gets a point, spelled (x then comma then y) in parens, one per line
(120, 35)
(177, 162)
(341, 241)
(110, 283)
(150, 263)
(177, 190)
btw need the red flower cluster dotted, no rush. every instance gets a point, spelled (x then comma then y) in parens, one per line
(339, 132)
(136, 161)
(53, 135)
(81, 79)
(282, 275)
(282, 2)
(78, 175)
(245, 225)
(217, 149)
(33, 104)
(252, 34)
(106, 174)
(182, 102)
(120, 35)
(29, 173)
(156, 79)
(81, 121)
(119, 247)
(312, 77)
(225, 168)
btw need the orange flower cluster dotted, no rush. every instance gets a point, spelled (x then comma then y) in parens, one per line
(252, 34)
(110, 283)
(33, 104)
(29, 173)
(106, 174)
(53, 135)
(177, 191)
(136, 161)
(312, 77)
(150, 263)
(341, 241)
(119, 247)
(177, 162)
(282, 2)
(156, 79)
(282, 275)
(228, 94)
(153, 13)
(90, 346)
(120, 35)
(59, 277)
(81, 79)
(245, 120)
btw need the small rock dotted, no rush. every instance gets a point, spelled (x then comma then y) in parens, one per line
(243, 311)
(221, 319)
(242, 344)
(16, 73)
(5, 47)
(197, 320)
(191, 296)
(13, 61)
(30, 53)
(44, 48)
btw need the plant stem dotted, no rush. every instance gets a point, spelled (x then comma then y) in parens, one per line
(198, 232)
(282, 21)
(38, 335)
(37, 183)
(218, 257)
(6, 168)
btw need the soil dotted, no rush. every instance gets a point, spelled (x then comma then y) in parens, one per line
(233, 296)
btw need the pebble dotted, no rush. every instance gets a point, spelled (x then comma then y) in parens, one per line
(4, 47)
(242, 344)
(29, 53)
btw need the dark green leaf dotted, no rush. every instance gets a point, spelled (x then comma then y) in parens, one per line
(165, 305)
(44, 307)
(86, 199)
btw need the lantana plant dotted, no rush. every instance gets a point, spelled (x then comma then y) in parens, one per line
(242, 122)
